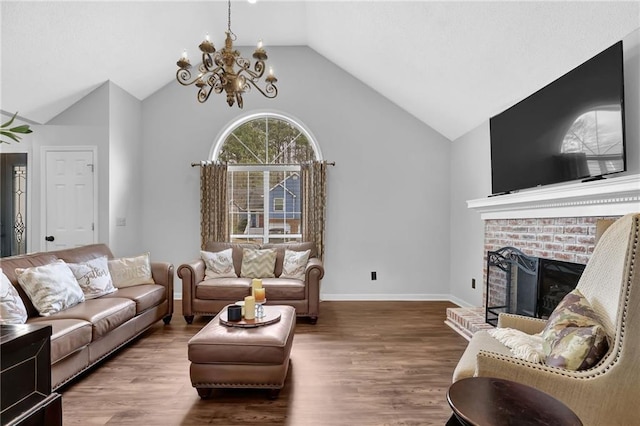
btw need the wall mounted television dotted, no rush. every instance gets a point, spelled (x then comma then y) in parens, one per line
(571, 129)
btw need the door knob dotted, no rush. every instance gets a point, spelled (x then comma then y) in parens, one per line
(49, 238)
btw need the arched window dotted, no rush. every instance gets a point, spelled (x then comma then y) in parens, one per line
(264, 152)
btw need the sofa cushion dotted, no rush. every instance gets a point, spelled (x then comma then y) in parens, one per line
(283, 289)
(145, 295)
(94, 277)
(232, 289)
(104, 314)
(68, 335)
(129, 271)
(219, 264)
(12, 309)
(258, 263)
(295, 264)
(51, 288)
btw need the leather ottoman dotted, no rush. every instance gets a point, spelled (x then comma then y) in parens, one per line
(234, 357)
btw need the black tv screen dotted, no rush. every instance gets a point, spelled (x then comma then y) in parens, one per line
(571, 129)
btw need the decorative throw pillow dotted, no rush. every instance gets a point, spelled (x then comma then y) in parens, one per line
(524, 346)
(130, 271)
(574, 336)
(258, 263)
(93, 277)
(12, 309)
(51, 288)
(295, 264)
(218, 264)
(578, 348)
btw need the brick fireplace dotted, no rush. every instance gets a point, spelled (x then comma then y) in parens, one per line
(557, 223)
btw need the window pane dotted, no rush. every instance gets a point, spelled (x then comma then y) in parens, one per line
(284, 188)
(246, 202)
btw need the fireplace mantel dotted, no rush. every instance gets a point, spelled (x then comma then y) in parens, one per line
(614, 196)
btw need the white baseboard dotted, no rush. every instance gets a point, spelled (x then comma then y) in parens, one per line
(386, 297)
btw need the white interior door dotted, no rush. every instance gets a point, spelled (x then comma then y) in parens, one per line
(69, 198)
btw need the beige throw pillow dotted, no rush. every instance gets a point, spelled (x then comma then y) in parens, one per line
(94, 277)
(130, 271)
(12, 309)
(218, 264)
(258, 263)
(51, 288)
(294, 264)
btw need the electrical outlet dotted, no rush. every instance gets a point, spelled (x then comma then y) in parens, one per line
(374, 276)
(473, 283)
(121, 221)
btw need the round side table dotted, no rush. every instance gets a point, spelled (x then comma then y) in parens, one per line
(481, 401)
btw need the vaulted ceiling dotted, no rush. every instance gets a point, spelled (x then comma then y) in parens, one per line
(450, 64)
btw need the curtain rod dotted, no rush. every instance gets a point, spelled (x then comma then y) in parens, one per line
(333, 163)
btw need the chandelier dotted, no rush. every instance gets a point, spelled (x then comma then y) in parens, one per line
(218, 72)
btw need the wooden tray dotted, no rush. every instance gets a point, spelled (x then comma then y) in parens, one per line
(271, 315)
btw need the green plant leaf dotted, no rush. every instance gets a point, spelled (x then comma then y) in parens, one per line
(21, 129)
(8, 123)
(9, 135)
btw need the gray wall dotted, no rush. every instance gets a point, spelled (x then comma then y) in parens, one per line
(109, 119)
(471, 179)
(388, 195)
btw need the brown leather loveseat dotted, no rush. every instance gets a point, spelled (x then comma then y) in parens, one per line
(84, 334)
(202, 295)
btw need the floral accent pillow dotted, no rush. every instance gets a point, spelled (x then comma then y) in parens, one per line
(93, 277)
(294, 264)
(51, 288)
(130, 271)
(574, 337)
(258, 263)
(218, 264)
(12, 309)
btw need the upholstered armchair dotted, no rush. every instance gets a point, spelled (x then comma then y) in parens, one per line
(608, 393)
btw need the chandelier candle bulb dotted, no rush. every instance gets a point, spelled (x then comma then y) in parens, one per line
(249, 307)
(260, 44)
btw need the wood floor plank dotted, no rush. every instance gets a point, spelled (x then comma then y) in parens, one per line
(363, 363)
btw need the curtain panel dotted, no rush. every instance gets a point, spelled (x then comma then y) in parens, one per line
(213, 203)
(314, 187)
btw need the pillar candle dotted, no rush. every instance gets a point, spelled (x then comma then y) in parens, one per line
(255, 283)
(259, 294)
(249, 307)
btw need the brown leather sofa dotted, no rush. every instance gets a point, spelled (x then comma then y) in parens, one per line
(86, 333)
(207, 296)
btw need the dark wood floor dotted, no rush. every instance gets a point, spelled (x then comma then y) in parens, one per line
(363, 363)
